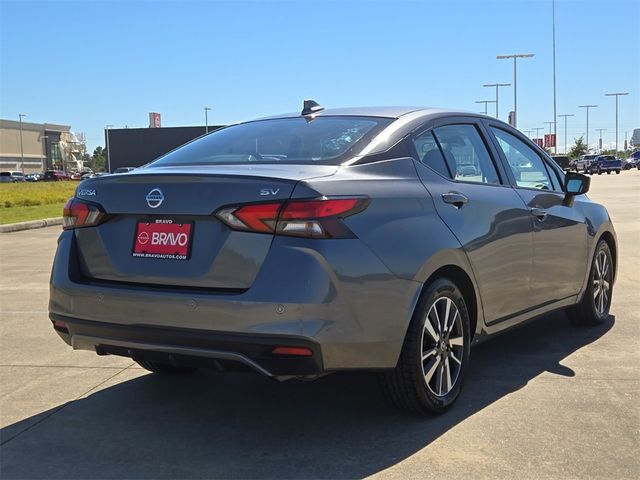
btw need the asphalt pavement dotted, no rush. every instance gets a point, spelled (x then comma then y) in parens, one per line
(547, 400)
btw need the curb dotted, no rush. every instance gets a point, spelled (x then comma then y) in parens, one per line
(17, 227)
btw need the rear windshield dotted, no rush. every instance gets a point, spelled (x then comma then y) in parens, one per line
(323, 140)
(5, 174)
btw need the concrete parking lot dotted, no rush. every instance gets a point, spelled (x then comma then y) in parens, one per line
(548, 400)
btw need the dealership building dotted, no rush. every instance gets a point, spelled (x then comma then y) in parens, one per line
(33, 147)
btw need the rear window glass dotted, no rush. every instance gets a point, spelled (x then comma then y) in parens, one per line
(5, 174)
(324, 140)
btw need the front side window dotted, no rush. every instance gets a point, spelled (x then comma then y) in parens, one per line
(466, 154)
(323, 140)
(527, 166)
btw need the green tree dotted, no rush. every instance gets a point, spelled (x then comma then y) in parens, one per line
(578, 148)
(98, 160)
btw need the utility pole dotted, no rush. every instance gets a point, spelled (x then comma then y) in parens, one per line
(616, 95)
(565, 130)
(206, 120)
(485, 104)
(20, 115)
(497, 85)
(600, 130)
(587, 107)
(515, 81)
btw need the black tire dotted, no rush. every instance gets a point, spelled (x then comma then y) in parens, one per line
(608, 172)
(406, 385)
(586, 312)
(617, 172)
(165, 368)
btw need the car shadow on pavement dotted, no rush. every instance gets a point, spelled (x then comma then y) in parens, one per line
(245, 426)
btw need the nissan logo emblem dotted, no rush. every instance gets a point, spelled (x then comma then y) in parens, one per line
(155, 198)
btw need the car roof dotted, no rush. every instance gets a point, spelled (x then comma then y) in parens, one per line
(384, 112)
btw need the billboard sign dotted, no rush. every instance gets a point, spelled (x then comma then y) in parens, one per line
(154, 120)
(549, 140)
(539, 142)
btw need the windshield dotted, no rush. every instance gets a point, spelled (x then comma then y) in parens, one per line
(324, 140)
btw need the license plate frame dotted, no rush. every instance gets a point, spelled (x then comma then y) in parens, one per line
(163, 239)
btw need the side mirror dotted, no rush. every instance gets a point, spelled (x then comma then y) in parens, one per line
(576, 183)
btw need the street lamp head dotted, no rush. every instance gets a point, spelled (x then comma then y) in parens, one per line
(496, 85)
(615, 94)
(515, 55)
(587, 106)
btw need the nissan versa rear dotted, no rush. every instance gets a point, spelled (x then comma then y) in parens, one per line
(384, 239)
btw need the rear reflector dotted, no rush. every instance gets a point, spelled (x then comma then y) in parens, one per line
(297, 351)
(58, 325)
(78, 213)
(316, 218)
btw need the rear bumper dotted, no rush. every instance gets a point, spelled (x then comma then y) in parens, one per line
(181, 346)
(334, 297)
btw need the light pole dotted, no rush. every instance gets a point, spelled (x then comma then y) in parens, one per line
(616, 95)
(600, 130)
(206, 119)
(106, 129)
(565, 130)
(20, 115)
(587, 107)
(497, 85)
(515, 57)
(485, 104)
(553, 24)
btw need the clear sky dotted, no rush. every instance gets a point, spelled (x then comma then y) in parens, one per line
(88, 64)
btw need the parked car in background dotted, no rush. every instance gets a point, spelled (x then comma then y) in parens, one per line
(55, 175)
(629, 163)
(605, 163)
(34, 177)
(583, 163)
(12, 177)
(124, 169)
(563, 162)
(281, 244)
(5, 177)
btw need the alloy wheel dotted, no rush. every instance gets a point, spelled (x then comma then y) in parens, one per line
(442, 346)
(601, 282)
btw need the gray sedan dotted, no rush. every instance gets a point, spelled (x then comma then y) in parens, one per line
(386, 239)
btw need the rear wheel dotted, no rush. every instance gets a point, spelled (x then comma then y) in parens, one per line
(164, 368)
(593, 309)
(617, 172)
(608, 172)
(430, 372)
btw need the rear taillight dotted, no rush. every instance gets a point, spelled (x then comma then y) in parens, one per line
(77, 214)
(316, 218)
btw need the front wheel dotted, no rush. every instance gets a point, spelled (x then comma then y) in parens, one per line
(593, 309)
(430, 371)
(617, 172)
(608, 172)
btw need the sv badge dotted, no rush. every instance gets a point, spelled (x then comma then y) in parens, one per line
(269, 191)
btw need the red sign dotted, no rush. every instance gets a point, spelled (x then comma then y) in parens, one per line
(549, 140)
(162, 239)
(154, 120)
(539, 142)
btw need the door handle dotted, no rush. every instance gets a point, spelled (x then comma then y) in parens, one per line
(539, 213)
(456, 199)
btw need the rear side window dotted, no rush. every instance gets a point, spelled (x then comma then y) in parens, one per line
(528, 168)
(466, 154)
(323, 140)
(429, 153)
